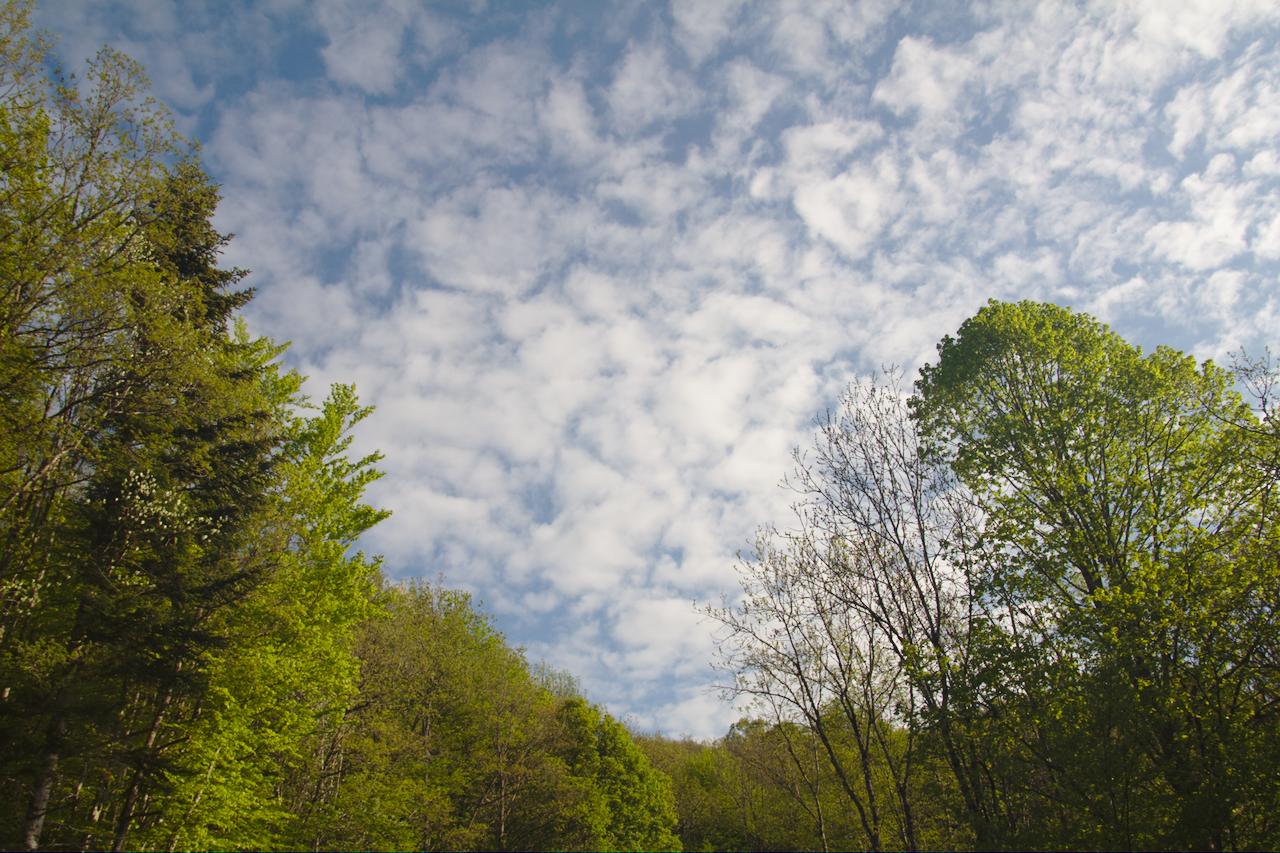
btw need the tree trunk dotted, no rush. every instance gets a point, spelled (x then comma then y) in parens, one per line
(38, 806)
(139, 773)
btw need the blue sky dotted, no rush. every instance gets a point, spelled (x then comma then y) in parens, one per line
(598, 265)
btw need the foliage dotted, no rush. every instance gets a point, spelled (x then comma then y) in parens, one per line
(1136, 554)
(174, 571)
(454, 745)
(769, 786)
(193, 653)
(288, 665)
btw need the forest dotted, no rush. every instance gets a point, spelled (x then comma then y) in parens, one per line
(1027, 600)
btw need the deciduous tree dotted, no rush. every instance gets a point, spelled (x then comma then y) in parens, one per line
(1136, 546)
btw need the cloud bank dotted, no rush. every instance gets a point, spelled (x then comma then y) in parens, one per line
(598, 267)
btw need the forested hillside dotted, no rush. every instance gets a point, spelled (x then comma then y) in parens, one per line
(1028, 601)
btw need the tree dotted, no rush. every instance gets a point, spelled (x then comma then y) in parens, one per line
(80, 172)
(858, 623)
(286, 668)
(139, 441)
(627, 802)
(713, 810)
(1135, 549)
(452, 743)
(146, 545)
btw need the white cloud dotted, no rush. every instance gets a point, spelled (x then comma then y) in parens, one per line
(647, 89)
(569, 119)
(852, 209)
(1266, 240)
(498, 239)
(825, 146)
(753, 91)
(1199, 25)
(365, 44)
(1217, 233)
(822, 39)
(701, 25)
(926, 79)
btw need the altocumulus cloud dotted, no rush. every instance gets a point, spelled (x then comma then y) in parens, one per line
(597, 265)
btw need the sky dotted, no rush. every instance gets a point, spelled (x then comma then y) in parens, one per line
(598, 265)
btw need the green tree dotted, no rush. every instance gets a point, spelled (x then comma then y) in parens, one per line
(433, 753)
(628, 803)
(452, 743)
(286, 669)
(150, 448)
(178, 593)
(1135, 569)
(149, 543)
(80, 172)
(1036, 606)
(712, 811)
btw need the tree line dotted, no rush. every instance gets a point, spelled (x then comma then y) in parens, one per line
(193, 654)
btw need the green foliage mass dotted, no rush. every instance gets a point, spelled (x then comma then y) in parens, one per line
(455, 745)
(1136, 568)
(770, 786)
